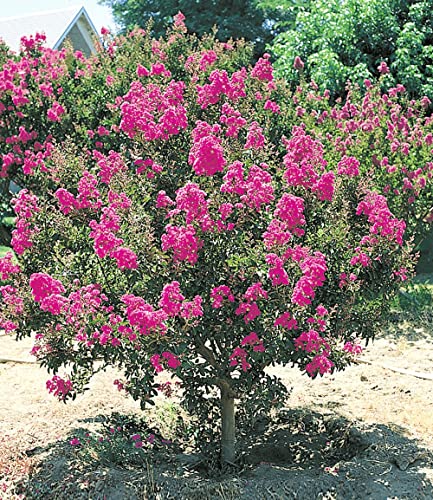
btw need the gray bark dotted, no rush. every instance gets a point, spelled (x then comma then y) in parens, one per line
(228, 452)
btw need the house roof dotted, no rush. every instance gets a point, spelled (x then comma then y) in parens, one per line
(56, 24)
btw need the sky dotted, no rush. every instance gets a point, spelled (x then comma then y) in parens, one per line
(100, 15)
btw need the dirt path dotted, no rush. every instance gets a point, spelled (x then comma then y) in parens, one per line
(381, 420)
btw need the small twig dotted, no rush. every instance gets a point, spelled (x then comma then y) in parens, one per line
(20, 361)
(421, 375)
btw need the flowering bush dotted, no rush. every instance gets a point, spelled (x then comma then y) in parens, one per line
(196, 218)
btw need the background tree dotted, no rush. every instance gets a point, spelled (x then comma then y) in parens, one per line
(251, 20)
(342, 40)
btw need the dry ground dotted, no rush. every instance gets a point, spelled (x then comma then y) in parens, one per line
(364, 433)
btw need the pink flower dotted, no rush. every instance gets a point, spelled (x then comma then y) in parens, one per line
(239, 356)
(311, 341)
(171, 299)
(255, 137)
(263, 69)
(272, 106)
(163, 201)
(253, 340)
(321, 311)
(75, 442)
(320, 363)
(207, 154)
(7, 268)
(142, 71)
(55, 112)
(125, 258)
(375, 207)
(232, 119)
(154, 360)
(352, 348)
(192, 309)
(183, 241)
(192, 201)
(298, 64)
(349, 166)
(59, 387)
(172, 360)
(219, 293)
(383, 68)
(286, 320)
(43, 285)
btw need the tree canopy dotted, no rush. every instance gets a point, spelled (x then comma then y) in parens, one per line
(342, 40)
(251, 20)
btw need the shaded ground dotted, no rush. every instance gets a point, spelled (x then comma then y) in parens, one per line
(364, 433)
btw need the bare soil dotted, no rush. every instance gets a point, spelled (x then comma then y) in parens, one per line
(363, 433)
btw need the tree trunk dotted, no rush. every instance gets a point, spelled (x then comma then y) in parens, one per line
(228, 425)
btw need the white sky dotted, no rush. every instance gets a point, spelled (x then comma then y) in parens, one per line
(100, 15)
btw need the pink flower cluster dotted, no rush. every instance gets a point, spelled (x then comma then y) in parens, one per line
(361, 258)
(156, 113)
(191, 200)
(106, 243)
(313, 269)
(7, 267)
(109, 165)
(349, 166)
(311, 341)
(25, 206)
(183, 241)
(59, 387)
(319, 364)
(219, 293)
(288, 216)
(277, 274)
(12, 299)
(170, 359)
(239, 357)
(304, 164)
(263, 69)
(272, 106)
(220, 84)
(55, 112)
(253, 340)
(286, 320)
(375, 207)
(207, 59)
(256, 190)
(239, 354)
(232, 119)
(352, 348)
(248, 307)
(43, 285)
(173, 303)
(207, 154)
(255, 137)
(149, 166)
(88, 195)
(143, 317)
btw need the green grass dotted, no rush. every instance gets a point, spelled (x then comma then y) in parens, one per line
(4, 251)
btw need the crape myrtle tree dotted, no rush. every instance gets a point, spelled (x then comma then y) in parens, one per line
(207, 222)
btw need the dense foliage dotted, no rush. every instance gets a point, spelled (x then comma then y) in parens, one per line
(342, 40)
(185, 212)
